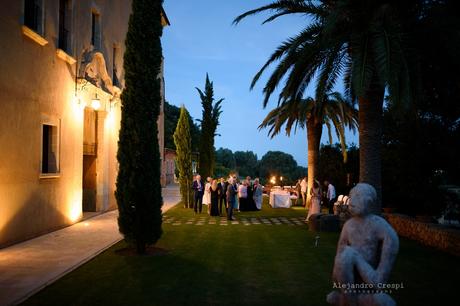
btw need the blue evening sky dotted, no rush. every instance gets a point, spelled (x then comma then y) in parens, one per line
(202, 39)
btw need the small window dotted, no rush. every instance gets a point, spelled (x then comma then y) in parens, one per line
(50, 149)
(33, 15)
(65, 18)
(96, 30)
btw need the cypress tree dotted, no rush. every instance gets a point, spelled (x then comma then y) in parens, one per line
(138, 186)
(183, 143)
(209, 123)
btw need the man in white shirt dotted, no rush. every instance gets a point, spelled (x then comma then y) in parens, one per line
(331, 198)
(303, 191)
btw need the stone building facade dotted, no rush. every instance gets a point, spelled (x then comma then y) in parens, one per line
(170, 166)
(61, 76)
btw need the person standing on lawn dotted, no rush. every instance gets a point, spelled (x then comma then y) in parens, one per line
(214, 190)
(236, 204)
(303, 191)
(258, 194)
(232, 191)
(198, 188)
(298, 191)
(243, 196)
(331, 196)
(250, 205)
(222, 186)
(207, 194)
(315, 205)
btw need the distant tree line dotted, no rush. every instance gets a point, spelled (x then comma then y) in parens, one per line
(246, 163)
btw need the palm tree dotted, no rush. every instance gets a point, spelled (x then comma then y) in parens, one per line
(334, 110)
(364, 42)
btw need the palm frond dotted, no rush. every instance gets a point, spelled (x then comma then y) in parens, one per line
(288, 46)
(309, 59)
(340, 132)
(330, 71)
(363, 66)
(347, 79)
(392, 65)
(329, 133)
(283, 7)
(291, 115)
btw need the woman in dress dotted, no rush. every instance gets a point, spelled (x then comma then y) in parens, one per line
(214, 198)
(258, 194)
(237, 202)
(243, 195)
(315, 193)
(207, 194)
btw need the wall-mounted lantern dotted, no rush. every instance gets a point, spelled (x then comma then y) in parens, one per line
(96, 102)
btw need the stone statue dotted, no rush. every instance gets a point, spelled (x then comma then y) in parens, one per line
(366, 251)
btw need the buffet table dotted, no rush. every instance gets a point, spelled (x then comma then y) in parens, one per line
(280, 199)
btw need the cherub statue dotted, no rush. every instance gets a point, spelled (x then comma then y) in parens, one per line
(366, 251)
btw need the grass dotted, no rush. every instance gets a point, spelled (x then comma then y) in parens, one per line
(240, 265)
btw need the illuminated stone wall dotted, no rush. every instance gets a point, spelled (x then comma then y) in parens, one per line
(38, 85)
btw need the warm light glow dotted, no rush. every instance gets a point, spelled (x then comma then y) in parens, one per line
(78, 103)
(74, 210)
(273, 180)
(96, 104)
(76, 100)
(281, 178)
(110, 119)
(113, 103)
(86, 224)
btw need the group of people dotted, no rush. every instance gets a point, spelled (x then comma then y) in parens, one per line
(226, 195)
(316, 195)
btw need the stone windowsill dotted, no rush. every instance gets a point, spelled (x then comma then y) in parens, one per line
(65, 57)
(50, 175)
(34, 36)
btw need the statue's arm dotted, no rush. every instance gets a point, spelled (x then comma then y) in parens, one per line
(343, 240)
(389, 250)
(390, 247)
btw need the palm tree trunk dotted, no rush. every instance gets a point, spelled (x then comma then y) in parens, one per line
(370, 136)
(314, 132)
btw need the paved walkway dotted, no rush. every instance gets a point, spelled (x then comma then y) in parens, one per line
(204, 220)
(27, 267)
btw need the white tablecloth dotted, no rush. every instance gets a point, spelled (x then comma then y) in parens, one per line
(280, 199)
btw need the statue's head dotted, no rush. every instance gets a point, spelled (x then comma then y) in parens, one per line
(362, 197)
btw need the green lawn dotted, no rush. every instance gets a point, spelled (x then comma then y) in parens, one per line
(236, 264)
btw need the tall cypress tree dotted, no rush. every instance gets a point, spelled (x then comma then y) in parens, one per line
(183, 143)
(138, 191)
(209, 123)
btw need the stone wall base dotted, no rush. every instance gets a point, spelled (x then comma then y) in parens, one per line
(430, 234)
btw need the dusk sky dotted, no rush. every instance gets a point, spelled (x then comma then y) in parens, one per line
(202, 39)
